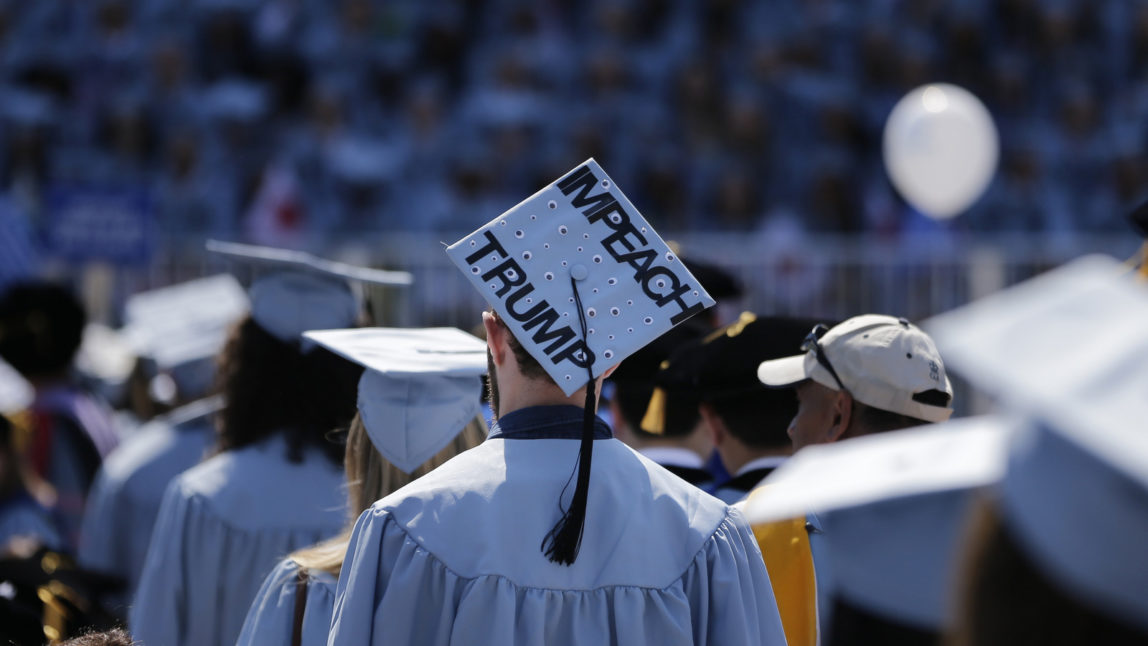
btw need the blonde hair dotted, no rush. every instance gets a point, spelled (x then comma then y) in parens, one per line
(370, 477)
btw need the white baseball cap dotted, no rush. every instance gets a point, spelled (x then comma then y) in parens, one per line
(882, 361)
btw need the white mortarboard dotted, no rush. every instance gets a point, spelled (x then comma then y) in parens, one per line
(892, 507)
(16, 393)
(302, 292)
(582, 281)
(579, 230)
(182, 327)
(419, 389)
(1069, 349)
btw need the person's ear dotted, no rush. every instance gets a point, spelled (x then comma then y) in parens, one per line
(715, 426)
(610, 371)
(842, 411)
(495, 337)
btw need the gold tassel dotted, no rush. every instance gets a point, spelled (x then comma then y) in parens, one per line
(654, 421)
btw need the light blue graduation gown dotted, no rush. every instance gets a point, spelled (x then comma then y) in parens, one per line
(222, 527)
(271, 619)
(125, 498)
(454, 558)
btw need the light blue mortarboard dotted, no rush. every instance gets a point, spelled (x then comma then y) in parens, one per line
(301, 292)
(892, 507)
(419, 389)
(1070, 350)
(579, 230)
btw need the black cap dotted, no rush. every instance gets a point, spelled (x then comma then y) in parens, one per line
(721, 284)
(721, 369)
(634, 381)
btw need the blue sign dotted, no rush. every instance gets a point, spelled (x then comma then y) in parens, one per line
(110, 223)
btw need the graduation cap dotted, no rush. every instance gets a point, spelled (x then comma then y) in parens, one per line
(1068, 349)
(635, 381)
(179, 329)
(892, 507)
(582, 281)
(724, 364)
(301, 292)
(419, 389)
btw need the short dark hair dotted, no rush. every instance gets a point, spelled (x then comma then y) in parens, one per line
(633, 398)
(270, 386)
(527, 364)
(1006, 599)
(759, 418)
(41, 325)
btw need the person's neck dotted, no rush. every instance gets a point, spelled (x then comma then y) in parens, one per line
(532, 392)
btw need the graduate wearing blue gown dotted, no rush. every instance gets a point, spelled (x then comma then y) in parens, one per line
(553, 532)
(276, 484)
(454, 557)
(126, 496)
(427, 372)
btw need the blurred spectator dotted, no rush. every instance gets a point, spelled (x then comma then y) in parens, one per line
(24, 500)
(67, 433)
(709, 112)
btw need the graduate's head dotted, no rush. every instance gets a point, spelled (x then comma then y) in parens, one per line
(869, 374)
(270, 386)
(513, 368)
(635, 381)
(41, 325)
(718, 374)
(271, 382)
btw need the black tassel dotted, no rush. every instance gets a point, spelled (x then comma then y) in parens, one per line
(562, 542)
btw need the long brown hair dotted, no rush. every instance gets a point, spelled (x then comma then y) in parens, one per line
(370, 477)
(272, 387)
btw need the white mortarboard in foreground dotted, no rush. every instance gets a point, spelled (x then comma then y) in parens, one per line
(1070, 349)
(582, 281)
(301, 292)
(16, 393)
(580, 230)
(419, 389)
(892, 506)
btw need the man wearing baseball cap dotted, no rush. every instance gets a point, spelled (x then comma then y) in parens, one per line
(869, 374)
(872, 373)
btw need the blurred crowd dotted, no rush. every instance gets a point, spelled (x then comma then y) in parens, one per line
(272, 120)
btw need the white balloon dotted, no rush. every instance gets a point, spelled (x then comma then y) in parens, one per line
(940, 149)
